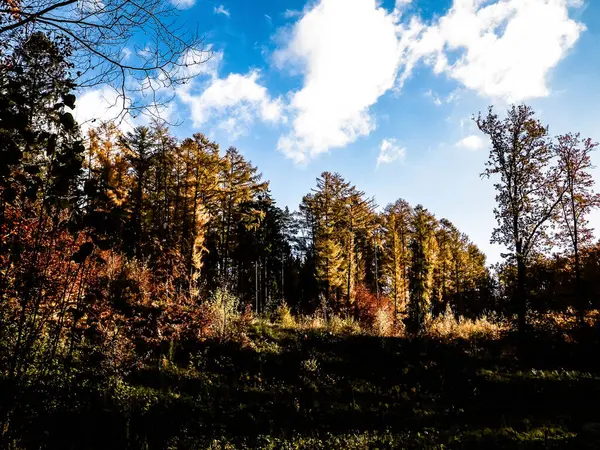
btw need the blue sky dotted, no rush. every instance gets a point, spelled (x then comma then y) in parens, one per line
(383, 92)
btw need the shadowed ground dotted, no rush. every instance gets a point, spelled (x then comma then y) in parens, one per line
(290, 389)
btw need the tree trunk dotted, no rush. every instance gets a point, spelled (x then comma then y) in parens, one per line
(520, 298)
(578, 291)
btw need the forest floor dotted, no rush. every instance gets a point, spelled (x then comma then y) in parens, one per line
(286, 388)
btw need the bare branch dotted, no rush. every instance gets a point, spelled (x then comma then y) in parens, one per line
(100, 31)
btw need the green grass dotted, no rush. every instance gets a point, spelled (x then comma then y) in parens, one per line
(287, 389)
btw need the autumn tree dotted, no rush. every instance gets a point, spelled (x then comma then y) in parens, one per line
(44, 248)
(138, 148)
(577, 202)
(477, 283)
(526, 187)
(327, 211)
(240, 183)
(358, 231)
(396, 254)
(263, 255)
(339, 222)
(197, 166)
(423, 249)
(442, 288)
(161, 194)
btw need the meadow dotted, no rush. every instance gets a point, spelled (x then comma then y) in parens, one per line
(290, 383)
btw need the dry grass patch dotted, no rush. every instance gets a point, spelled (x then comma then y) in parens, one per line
(446, 327)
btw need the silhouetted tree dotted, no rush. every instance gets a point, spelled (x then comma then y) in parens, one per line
(577, 202)
(526, 187)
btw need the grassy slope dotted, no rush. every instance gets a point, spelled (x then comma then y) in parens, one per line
(287, 389)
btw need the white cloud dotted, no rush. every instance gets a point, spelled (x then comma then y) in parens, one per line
(291, 14)
(472, 143)
(200, 62)
(145, 52)
(126, 54)
(183, 4)
(506, 48)
(221, 10)
(95, 106)
(439, 100)
(234, 102)
(434, 96)
(349, 55)
(401, 4)
(91, 6)
(351, 52)
(390, 151)
(453, 96)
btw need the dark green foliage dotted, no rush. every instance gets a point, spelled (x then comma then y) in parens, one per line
(315, 390)
(422, 244)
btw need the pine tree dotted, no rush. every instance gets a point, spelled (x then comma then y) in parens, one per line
(423, 259)
(397, 218)
(138, 148)
(240, 183)
(442, 276)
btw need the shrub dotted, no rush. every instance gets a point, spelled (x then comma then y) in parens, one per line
(284, 316)
(225, 318)
(447, 327)
(375, 315)
(313, 322)
(346, 325)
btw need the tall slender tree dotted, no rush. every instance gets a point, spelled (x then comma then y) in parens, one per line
(397, 218)
(526, 187)
(577, 202)
(423, 248)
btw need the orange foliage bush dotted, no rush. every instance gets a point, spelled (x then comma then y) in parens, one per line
(42, 289)
(138, 313)
(375, 315)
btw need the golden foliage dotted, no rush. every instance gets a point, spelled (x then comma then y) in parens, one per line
(447, 327)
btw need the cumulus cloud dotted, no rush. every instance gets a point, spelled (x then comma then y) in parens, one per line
(233, 102)
(390, 151)
(105, 104)
(472, 143)
(96, 106)
(351, 52)
(200, 62)
(183, 4)
(506, 48)
(221, 10)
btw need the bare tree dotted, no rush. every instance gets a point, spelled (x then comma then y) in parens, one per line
(105, 36)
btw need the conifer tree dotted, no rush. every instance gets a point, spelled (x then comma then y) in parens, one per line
(139, 149)
(423, 259)
(397, 219)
